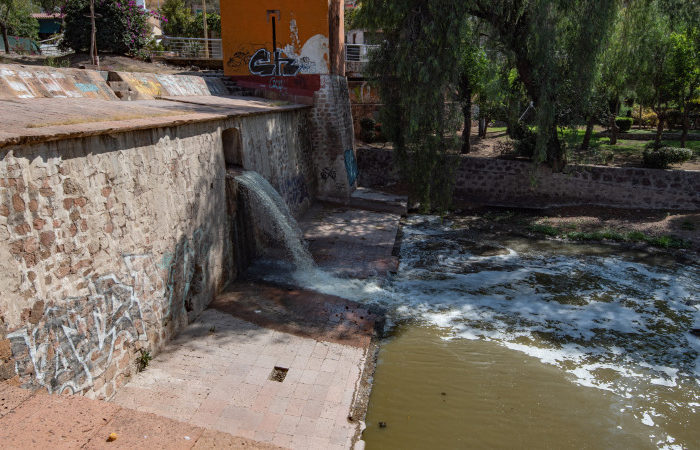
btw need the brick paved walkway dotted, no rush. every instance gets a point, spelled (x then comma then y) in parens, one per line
(217, 375)
(352, 242)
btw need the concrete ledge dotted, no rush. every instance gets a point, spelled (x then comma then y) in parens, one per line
(45, 120)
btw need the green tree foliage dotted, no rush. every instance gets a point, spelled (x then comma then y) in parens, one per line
(416, 72)
(179, 18)
(472, 68)
(665, 60)
(182, 22)
(122, 26)
(196, 30)
(16, 20)
(684, 62)
(551, 44)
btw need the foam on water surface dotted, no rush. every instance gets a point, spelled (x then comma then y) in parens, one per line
(611, 322)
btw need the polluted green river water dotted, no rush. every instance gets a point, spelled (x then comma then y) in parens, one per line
(500, 341)
(430, 392)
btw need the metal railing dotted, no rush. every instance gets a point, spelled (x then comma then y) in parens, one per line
(49, 47)
(358, 52)
(188, 48)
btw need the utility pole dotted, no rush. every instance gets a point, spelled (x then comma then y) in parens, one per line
(206, 37)
(93, 40)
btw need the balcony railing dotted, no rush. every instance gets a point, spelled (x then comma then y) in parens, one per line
(188, 48)
(358, 52)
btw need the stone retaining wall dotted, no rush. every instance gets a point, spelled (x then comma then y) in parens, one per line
(508, 182)
(112, 243)
(333, 139)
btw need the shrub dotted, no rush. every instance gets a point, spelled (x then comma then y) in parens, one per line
(665, 156)
(649, 118)
(122, 26)
(674, 119)
(379, 133)
(525, 143)
(367, 129)
(624, 123)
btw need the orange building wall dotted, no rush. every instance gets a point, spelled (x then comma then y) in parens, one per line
(307, 41)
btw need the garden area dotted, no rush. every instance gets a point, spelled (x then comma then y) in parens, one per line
(625, 153)
(604, 83)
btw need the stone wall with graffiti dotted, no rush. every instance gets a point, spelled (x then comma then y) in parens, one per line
(147, 86)
(333, 139)
(278, 146)
(109, 245)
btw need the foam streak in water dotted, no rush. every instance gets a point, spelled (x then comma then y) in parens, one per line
(272, 214)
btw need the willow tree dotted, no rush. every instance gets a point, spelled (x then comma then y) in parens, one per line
(553, 43)
(416, 70)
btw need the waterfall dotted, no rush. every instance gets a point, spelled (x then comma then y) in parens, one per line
(272, 214)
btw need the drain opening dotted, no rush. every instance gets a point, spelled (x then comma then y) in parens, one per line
(278, 374)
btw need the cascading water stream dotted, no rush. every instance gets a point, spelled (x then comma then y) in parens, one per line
(272, 214)
(610, 321)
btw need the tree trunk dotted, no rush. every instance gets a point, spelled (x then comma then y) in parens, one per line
(466, 134)
(487, 120)
(589, 132)
(641, 125)
(659, 129)
(613, 130)
(686, 125)
(482, 127)
(5, 39)
(556, 158)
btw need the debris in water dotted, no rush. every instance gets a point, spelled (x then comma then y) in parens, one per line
(443, 393)
(382, 424)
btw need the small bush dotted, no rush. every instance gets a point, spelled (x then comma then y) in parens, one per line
(648, 119)
(624, 123)
(665, 156)
(379, 133)
(545, 229)
(143, 360)
(367, 129)
(525, 141)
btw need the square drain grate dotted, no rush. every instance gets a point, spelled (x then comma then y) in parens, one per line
(278, 374)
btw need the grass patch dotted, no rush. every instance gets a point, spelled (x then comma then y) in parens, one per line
(665, 241)
(626, 150)
(545, 229)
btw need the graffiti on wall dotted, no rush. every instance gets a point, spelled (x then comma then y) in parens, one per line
(351, 166)
(294, 190)
(187, 268)
(263, 65)
(73, 344)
